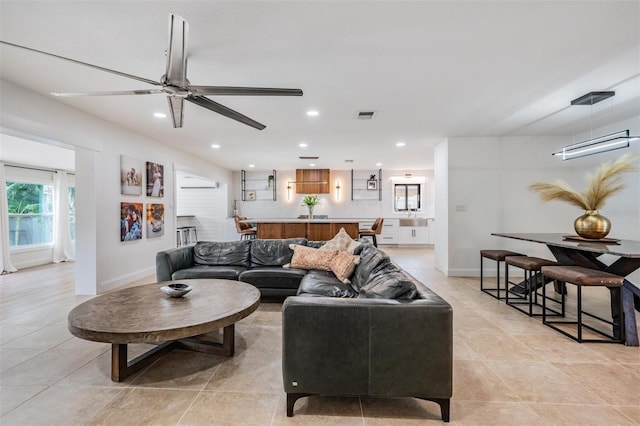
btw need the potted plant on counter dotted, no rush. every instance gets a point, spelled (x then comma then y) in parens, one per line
(310, 200)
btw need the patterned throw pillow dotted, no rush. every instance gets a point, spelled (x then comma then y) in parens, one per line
(343, 265)
(311, 258)
(341, 242)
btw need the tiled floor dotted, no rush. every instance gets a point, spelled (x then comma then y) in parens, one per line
(508, 368)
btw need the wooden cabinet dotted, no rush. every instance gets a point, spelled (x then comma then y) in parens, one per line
(312, 181)
(319, 231)
(269, 231)
(315, 231)
(294, 230)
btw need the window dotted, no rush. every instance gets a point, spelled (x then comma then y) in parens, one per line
(406, 197)
(30, 213)
(72, 212)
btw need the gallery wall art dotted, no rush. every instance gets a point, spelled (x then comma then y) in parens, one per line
(131, 175)
(130, 221)
(155, 220)
(155, 180)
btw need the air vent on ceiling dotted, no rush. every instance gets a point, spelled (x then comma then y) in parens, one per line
(365, 115)
(592, 98)
(348, 161)
(309, 158)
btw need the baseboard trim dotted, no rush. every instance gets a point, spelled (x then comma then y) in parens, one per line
(116, 282)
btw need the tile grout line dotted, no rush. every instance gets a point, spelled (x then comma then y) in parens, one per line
(204, 386)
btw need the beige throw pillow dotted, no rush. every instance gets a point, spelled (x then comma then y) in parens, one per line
(341, 242)
(343, 265)
(311, 258)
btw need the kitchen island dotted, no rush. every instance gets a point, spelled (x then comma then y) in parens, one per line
(311, 229)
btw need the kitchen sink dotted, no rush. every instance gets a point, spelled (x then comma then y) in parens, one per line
(413, 221)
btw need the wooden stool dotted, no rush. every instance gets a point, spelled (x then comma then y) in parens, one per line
(526, 292)
(580, 277)
(498, 256)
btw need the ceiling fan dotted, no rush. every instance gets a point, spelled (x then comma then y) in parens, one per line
(174, 82)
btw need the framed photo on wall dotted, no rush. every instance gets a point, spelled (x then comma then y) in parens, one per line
(155, 220)
(131, 170)
(372, 184)
(155, 180)
(250, 195)
(130, 221)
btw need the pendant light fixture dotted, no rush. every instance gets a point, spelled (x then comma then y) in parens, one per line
(600, 144)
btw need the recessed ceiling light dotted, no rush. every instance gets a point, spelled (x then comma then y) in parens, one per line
(159, 115)
(215, 146)
(313, 113)
(378, 164)
(252, 165)
(302, 145)
(400, 143)
(312, 165)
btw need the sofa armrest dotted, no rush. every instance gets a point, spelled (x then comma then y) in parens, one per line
(172, 260)
(375, 347)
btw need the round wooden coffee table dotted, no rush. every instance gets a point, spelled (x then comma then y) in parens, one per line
(144, 314)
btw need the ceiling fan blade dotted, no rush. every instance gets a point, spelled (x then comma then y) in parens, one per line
(122, 74)
(176, 105)
(110, 93)
(176, 74)
(243, 91)
(223, 110)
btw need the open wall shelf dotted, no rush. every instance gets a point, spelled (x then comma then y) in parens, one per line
(366, 185)
(258, 186)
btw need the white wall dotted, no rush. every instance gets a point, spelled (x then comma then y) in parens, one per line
(441, 178)
(488, 192)
(329, 203)
(103, 261)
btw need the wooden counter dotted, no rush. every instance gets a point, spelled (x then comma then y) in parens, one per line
(315, 229)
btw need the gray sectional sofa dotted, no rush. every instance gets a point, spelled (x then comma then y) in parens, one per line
(383, 334)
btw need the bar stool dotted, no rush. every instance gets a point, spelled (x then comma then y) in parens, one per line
(527, 292)
(580, 276)
(244, 228)
(498, 256)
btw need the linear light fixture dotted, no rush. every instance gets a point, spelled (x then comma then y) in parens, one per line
(593, 146)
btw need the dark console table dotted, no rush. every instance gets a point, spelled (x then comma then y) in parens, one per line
(582, 253)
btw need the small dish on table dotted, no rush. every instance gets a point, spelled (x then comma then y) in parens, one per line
(176, 290)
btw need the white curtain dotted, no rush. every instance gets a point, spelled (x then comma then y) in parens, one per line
(62, 244)
(5, 259)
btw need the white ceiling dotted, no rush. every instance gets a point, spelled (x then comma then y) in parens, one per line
(430, 70)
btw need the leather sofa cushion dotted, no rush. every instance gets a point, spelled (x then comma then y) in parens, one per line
(388, 283)
(273, 277)
(234, 253)
(324, 283)
(206, 271)
(273, 252)
(316, 244)
(371, 259)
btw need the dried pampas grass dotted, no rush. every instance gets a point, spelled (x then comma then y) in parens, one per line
(602, 185)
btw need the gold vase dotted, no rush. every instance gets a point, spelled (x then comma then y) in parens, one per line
(592, 225)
